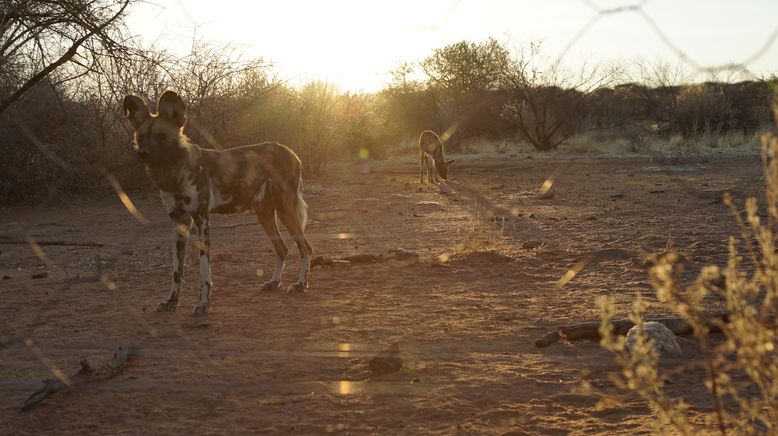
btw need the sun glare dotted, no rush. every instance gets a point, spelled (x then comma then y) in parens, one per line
(355, 44)
(352, 43)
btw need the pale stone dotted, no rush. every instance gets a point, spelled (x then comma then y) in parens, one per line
(665, 340)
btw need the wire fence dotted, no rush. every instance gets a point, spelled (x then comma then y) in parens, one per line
(23, 332)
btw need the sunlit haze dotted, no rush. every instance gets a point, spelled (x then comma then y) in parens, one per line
(355, 43)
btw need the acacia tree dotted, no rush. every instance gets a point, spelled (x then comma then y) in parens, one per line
(465, 77)
(467, 67)
(39, 37)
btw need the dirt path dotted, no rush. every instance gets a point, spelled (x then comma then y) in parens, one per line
(270, 362)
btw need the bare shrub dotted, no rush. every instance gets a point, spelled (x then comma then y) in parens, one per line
(544, 101)
(742, 369)
(703, 108)
(68, 38)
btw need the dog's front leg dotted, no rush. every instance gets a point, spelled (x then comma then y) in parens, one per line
(422, 163)
(204, 232)
(180, 233)
(431, 171)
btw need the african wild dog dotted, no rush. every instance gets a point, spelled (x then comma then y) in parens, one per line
(194, 182)
(431, 157)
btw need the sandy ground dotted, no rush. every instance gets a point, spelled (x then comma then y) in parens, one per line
(273, 362)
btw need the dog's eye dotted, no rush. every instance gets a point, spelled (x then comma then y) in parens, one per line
(159, 136)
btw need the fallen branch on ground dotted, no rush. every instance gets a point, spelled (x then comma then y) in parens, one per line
(232, 226)
(8, 240)
(591, 330)
(84, 376)
(397, 254)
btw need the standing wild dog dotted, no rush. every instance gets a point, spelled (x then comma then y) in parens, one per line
(431, 157)
(194, 182)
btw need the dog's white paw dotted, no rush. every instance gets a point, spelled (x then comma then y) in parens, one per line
(202, 309)
(297, 287)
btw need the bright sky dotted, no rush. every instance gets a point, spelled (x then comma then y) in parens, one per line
(355, 43)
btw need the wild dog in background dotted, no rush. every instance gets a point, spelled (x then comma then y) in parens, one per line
(431, 157)
(194, 182)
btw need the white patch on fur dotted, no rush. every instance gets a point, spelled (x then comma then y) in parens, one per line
(261, 194)
(217, 198)
(190, 190)
(167, 200)
(205, 278)
(278, 270)
(302, 207)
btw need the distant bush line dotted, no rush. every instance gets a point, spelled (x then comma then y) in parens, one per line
(61, 136)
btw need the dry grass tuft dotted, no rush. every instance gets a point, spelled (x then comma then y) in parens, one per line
(742, 368)
(480, 236)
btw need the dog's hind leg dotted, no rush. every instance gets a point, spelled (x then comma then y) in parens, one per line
(204, 233)
(291, 217)
(267, 217)
(422, 164)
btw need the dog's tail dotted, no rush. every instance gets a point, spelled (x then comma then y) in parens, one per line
(302, 206)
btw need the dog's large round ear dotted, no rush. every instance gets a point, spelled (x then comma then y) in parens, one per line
(135, 110)
(172, 108)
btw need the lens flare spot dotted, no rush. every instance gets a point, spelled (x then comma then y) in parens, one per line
(570, 274)
(125, 199)
(364, 153)
(107, 282)
(345, 387)
(38, 250)
(260, 272)
(182, 230)
(546, 186)
(343, 350)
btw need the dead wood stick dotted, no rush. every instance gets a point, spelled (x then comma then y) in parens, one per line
(232, 226)
(84, 376)
(591, 330)
(7, 240)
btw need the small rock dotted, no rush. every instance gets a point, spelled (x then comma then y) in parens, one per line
(531, 245)
(401, 254)
(532, 215)
(545, 195)
(387, 361)
(40, 275)
(664, 339)
(6, 277)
